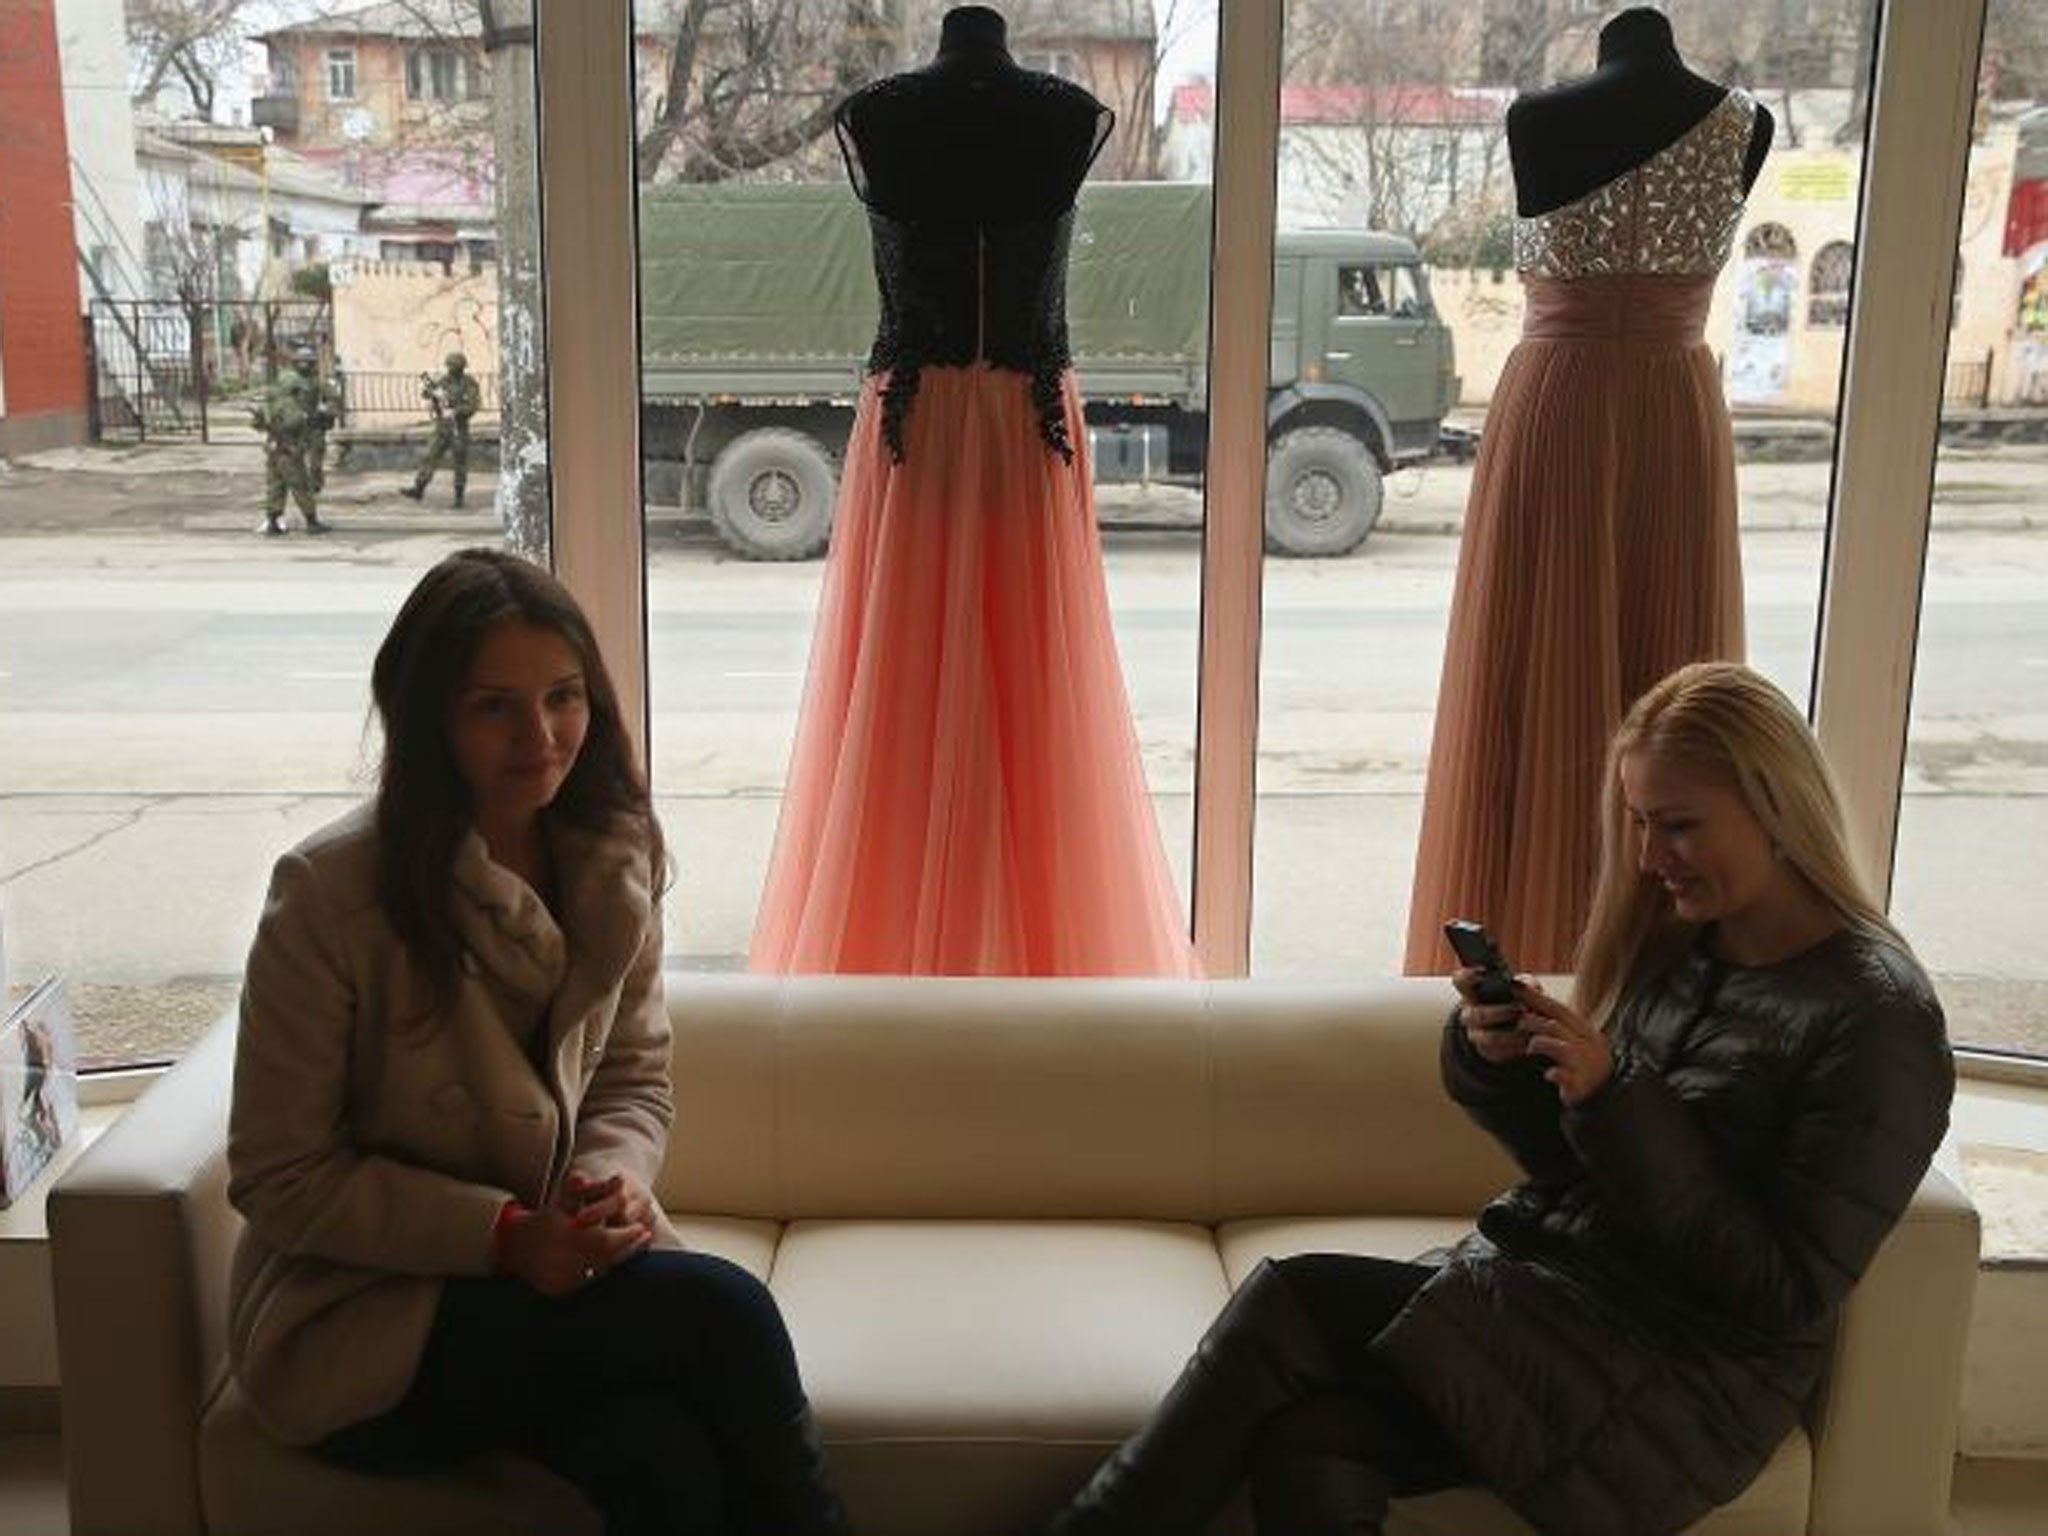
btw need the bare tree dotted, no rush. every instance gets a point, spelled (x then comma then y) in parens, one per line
(190, 41)
(191, 243)
(1780, 52)
(1411, 121)
(2016, 50)
(1138, 110)
(748, 83)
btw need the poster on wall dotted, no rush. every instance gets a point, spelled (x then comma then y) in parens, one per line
(2030, 328)
(1760, 362)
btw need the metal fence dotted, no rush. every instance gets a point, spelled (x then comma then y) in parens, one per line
(1968, 382)
(168, 368)
(370, 399)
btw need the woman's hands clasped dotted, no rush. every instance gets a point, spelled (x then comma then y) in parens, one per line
(594, 1225)
(1536, 1024)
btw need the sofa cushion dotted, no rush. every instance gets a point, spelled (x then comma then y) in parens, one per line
(858, 1097)
(253, 1485)
(1244, 1243)
(969, 1375)
(746, 1242)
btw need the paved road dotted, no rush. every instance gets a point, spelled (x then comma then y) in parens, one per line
(182, 699)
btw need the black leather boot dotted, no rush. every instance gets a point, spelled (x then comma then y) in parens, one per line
(1260, 1355)
(786, 1488)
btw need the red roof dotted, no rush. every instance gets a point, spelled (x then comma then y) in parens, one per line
(1195, 101)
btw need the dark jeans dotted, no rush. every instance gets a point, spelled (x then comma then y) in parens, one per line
(1366, 1417)
(644, 1389)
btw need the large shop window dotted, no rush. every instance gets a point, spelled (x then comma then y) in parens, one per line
(1372, 478)
(183, 694)
(758, 311)
(1966, 883)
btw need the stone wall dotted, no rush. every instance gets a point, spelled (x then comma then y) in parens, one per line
(1778, 350)
(403, 317)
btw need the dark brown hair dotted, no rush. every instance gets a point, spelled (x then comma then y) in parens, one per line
(423, 802)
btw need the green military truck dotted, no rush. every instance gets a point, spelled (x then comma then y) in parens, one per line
(758, 307)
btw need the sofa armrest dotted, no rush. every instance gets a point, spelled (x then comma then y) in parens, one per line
(141, 1236)
(1884, 1427)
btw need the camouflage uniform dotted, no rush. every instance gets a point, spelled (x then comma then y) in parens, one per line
(325, 394)
(455, 398)
(286, 416)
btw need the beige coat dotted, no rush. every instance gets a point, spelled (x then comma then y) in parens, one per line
(370, 1160)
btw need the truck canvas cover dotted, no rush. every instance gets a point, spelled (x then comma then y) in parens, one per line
(770, 289)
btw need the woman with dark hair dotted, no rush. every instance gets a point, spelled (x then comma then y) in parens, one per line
(1717, 1132)
(451, 1100)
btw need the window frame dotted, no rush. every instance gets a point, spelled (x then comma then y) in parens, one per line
(421, 73)
(343, 57)
(1922, 99)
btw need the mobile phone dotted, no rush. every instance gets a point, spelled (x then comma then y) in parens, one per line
(1475, 947)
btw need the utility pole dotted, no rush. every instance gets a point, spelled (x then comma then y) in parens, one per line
(522, 351)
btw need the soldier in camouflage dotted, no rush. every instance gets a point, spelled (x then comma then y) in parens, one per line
(455, 398)
(285, 417)
(325, 393)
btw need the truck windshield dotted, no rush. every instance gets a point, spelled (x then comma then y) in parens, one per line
(1379, 288)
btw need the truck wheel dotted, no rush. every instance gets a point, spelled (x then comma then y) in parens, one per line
(1323, 492)
(771, 495)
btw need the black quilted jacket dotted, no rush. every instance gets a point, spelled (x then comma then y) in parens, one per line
(1635, 1327)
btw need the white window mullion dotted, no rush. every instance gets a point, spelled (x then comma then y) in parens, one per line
(585, 63)
(1233, 533)
(1922, 100)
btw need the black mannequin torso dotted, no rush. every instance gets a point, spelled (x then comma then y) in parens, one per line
(1575, 138)
(971, 136)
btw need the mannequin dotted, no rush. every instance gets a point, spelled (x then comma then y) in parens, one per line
(1600, 548)
(972, 136)
(966, 793)
(1576, 137)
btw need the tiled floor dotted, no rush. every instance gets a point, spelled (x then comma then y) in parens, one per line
(31, 1485)
(1993, 1498)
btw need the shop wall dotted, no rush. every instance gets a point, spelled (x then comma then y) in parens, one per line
(405, 317)
(100, 128)
(1776, 352)
(42, 339)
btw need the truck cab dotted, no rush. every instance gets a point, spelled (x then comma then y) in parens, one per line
(1362, 374)
(758, 306)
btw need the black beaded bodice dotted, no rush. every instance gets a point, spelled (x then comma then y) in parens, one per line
(960, 293)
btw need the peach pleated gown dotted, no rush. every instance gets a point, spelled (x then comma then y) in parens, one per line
(965, 794)
(1599, 551)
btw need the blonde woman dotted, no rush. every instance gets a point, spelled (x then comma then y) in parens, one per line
(1717, 1131)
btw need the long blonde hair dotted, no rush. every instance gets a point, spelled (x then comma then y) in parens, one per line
(1728, 721)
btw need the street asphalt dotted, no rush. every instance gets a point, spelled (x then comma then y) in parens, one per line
(133, 853)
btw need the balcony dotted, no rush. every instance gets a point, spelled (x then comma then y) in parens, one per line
(277, 113)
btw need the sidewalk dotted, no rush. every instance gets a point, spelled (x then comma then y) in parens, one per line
(177, 487)
(216, 488)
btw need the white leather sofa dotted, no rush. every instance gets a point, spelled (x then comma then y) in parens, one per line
(997, 1216)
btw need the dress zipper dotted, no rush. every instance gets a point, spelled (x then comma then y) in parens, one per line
(980, 291)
